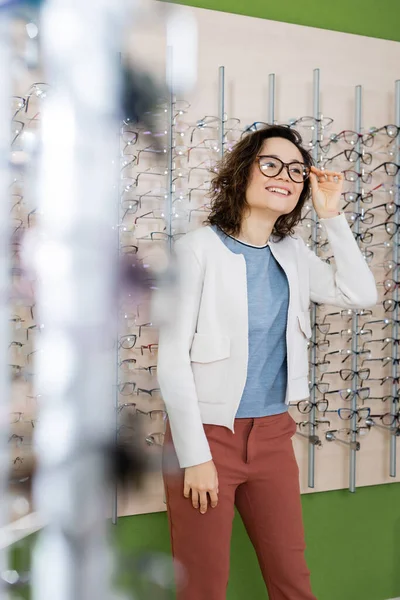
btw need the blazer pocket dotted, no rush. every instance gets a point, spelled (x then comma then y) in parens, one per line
(209, 348)
(304, 322)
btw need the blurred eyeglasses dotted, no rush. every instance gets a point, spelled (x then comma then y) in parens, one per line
(153, 414)
(390, 379)
(362, 431)
(204, 165)
(302, 425)
(158, 236)
(389, 285)
(389, 419)
(347, 413)
(390, 168)
(390, 304)
(346, 313)
(207, 145)
(127, 364)
(349, 374)
(323, 327)
(37, 91)
(347, 136)
(203, 209)
(365, 217)
(364, 197)
(322, 345)
(351, 156)
(129, 137)
(305, 406)
(351, 175)
(385, 360)
(127, 388)
(149, 348)
(391, 131)
(367, 236)
(179, 108)
(387, 341)
(153, 392)
(391, 228)
(127, 342)
(386, 398)
(390, 207)
(321, 386)
(311, 122)
(386, 322)
(212, 122)
(348, 394)
(322, 366)
(256, 126)
(390, 266)
(364, 334)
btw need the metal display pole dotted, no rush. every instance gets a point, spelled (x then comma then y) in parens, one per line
(315, 155)
(395, 328)
(5, 93)
(354, 341)
(170, 142)
(114, 508)
(221, 109)
(76, 271)
(271, 94)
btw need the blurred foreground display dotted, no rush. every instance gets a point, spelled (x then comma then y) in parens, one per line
(66, 439)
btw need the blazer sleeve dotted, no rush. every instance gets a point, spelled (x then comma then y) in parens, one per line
(174, 372)
(350, 282)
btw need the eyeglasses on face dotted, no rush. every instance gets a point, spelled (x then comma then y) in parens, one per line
(271, 166)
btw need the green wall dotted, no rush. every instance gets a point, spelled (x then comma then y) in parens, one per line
(353, 540)
(353, 545)
(375, 18)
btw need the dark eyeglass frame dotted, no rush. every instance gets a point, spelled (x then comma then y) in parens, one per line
(306, 169)
(352, 155)
(367, 137)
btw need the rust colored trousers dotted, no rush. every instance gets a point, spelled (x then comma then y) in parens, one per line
(257, 472)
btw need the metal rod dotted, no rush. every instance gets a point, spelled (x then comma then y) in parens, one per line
(271, 95)
(75, 260)
(371, 423)
(170, 129)
(395, 328)
(221, 109)
(313, 395)
(354, 339)
(114, 508)
(5, 93)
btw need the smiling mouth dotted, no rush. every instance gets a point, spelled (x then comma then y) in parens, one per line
(278, 191)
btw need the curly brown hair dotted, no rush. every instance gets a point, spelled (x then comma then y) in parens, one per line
(229, 184)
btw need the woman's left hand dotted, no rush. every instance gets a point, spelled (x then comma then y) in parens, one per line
(326, 189)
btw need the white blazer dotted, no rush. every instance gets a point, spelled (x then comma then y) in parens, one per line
(203, 348)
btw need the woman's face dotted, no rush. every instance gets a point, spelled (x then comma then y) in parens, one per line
(279, 194)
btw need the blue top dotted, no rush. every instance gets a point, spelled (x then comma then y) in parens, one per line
(268, 301)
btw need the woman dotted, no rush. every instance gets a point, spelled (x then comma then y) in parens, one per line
(236, 354)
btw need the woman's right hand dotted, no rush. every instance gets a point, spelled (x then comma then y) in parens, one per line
(202, 480)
